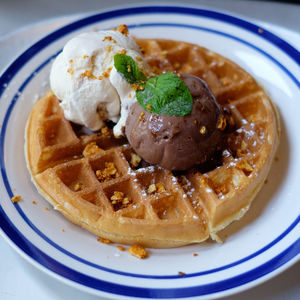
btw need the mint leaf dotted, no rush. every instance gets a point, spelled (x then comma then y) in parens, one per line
(166, 94)
(126, 65)
(163, 94)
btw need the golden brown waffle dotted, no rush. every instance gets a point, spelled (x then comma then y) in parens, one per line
(103, 191)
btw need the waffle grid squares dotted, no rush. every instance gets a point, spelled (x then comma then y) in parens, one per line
(197, 200)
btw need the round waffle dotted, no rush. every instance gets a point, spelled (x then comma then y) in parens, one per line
(97, 181)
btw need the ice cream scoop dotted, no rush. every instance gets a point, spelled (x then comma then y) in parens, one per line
(84, 78)
(177, 143)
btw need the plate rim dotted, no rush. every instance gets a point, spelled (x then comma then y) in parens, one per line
(143, 9)
(158, 9)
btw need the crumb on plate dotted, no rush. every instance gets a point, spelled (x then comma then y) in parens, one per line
(138, 251)
(121, 248)
(16, 198)
(103, 240)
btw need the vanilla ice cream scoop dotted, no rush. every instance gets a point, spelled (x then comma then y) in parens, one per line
(85, 80)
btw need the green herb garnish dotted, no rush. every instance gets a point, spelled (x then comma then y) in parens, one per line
(166, 94)
(163, 94)
(125, 65)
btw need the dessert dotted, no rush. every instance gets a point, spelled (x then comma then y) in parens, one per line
(177, 143)
(98, 181)
(84, 78)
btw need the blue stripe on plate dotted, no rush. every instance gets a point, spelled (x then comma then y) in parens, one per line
(28, 54)
(55, 266)
(126, 273)
(109, 287)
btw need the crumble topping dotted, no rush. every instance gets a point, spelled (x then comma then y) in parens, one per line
(89, 74)
(156, 188)
(105, 131)
(107, 72)
(141, 116)
(123, 51)
(221, 123)
(121, 248)
(109, 38)
(118, 200)
(92, 149)
(123, 29)
(16, 198)
(203, 130)
(108, 173)
(138, 251)
(135, 160)
(103, 240)
(78, 187)
(137, 87)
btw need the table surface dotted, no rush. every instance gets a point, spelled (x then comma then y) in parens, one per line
(20, 279)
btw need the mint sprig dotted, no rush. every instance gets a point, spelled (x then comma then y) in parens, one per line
(163, 94)
(126, 65)
(166, 94)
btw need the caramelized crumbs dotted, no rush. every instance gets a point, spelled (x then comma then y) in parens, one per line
(119, 200)
(16, 198)
(103, 240)
(138, 251)
(92, 149)
(108, 173)
(156, 188)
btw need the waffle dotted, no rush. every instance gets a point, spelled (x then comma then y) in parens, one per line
(96, 181)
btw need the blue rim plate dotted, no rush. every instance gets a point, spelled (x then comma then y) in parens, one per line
(264, 243)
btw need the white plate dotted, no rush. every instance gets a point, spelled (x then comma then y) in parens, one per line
(264, 243)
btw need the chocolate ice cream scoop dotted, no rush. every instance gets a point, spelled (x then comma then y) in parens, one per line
(177, 143)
